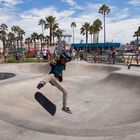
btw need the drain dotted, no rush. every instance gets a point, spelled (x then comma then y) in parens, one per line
(4, 75)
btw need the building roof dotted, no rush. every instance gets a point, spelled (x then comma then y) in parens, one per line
(94, 45)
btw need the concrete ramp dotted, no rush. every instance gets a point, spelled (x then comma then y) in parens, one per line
(105, 101)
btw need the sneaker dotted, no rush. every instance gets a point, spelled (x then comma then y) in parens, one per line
(66, 109)
(41, 84)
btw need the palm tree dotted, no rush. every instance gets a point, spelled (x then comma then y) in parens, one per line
(54, 29)
(34, 37)
(16, 30)
(42, 23)
(28, 41)
(41, 38)
(73, 25)
(3, 33)
(137, 34)
(47, 39)
(58, 33)
(20, 34)
(104, 9)
(97, 27)
(11, 40)
(50, 22)
(84, 31)
(91, 31)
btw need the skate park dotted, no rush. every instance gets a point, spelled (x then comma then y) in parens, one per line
(104, 99)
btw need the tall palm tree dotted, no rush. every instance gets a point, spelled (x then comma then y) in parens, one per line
(42, 23)
(50, 21)
(84, 31)
(28, 41)
(20, 34)
(104, 9)
(34, 37)
(91, 31)
(97, 27)
(3, 33)
(16, 30)
(11, 40)
(41, 37)
(54, 29)
(137, 34)
(58, 33)
(73, 25)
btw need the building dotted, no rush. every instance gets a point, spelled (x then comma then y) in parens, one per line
(95, 45)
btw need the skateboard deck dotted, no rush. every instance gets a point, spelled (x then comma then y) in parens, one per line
(45, 103)
(136, 65)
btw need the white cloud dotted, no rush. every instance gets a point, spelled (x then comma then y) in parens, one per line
(45, 12)
(9, 3)
(122, 31)
(119, 28)
(134, 2)
(70, 2)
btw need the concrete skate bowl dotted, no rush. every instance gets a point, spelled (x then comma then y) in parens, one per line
(105, 101)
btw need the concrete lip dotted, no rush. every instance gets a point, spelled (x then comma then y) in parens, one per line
(104, 99)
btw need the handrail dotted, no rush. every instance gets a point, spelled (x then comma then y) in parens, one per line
(136, 65)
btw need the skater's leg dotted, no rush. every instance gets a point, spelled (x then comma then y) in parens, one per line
(61, 87)
(44, 81)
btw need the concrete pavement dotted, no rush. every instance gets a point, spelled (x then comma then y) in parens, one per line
(105, 101)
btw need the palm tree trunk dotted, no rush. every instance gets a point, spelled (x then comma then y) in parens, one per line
(41, 41)
(86, 44)
(50, 36)
(28, 48)
(137, 42)
(73, 35)
(91, 38)
(4, 45)
(42, 30)
(35, 46)
(104, 30)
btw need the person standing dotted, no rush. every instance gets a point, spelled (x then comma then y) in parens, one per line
(44, 55)
(38, 55)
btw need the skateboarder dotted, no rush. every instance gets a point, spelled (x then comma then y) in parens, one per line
(56, 77)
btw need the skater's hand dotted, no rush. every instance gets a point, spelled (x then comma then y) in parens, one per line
(40, 85)
(53, 62)
(60, 78)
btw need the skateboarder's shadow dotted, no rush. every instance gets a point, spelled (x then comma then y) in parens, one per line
(45, 103)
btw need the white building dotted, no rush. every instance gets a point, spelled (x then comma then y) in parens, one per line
(95, 37)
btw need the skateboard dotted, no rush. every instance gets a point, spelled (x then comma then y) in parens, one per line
(136, 65)
(45, 103)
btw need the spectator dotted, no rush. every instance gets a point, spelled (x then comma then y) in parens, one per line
(113, 56)
(38, 55)
(17, 57)
(44, 55)
(5, 56)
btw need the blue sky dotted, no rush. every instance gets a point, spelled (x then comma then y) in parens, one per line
(121, 23)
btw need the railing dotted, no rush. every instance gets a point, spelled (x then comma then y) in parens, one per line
(135, 65)
(125, 58)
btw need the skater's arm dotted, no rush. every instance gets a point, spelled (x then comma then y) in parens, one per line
(53, 62)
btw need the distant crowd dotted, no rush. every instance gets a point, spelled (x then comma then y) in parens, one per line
(98, 55)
